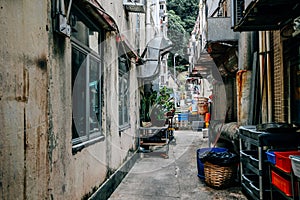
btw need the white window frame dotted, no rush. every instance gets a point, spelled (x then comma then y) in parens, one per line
(90, 131)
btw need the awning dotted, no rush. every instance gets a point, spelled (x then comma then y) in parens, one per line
(263, 15)
(224, 55)
(94, 10)
(202, 67)
(155, 48)
(125, 47)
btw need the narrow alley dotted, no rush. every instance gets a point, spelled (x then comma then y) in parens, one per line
(153, 177)
(89, 87)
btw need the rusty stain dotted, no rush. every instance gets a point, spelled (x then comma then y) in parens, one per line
(25, 89)
(240, 85)
(1, 87)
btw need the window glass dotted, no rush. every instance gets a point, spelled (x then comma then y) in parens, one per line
(94, 41)
(83, 31)
(79, 92)
(123, 93)
(94, 115)
(86, 80)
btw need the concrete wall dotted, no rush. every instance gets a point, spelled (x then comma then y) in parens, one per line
(24, 86)
(36, 160)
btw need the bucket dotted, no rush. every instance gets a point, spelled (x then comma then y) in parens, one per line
(202, 105)
(183, 116)
(202, 152)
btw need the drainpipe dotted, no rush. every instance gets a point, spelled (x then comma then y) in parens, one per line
(62, 7)
(202, 21)
(243, 79)
(203, 24)
(269, 79)
(148, 22)
(157, 23)
(263, 71)
(200, 17)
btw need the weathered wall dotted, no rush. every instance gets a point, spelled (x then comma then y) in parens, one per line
(23, 104)
(36, 108)
(73, 176)
(219, 102)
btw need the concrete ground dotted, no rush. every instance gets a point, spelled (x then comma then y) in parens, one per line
(154, 177)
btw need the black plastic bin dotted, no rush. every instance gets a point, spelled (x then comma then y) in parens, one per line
(200, 153)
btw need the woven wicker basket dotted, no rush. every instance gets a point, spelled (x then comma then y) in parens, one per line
(219, 176)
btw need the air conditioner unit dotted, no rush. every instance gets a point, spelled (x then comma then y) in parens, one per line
(238, 8)
(137, 6)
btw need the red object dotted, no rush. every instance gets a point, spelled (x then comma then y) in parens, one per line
(282, 160)
(283, 184)
(207, 117)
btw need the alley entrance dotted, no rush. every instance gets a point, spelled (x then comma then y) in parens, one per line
(154, 177)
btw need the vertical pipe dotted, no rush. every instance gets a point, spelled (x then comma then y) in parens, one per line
(157, 24)
(262, 68)
(175, 101)
(62, 7)
(260, 60)
(200, 17)
(204, 26)
(148, 23)
(269, 78)
(260, 73)
(289, 103)
(233, 14)
(260, 164)
(69, 9)
(57, 6)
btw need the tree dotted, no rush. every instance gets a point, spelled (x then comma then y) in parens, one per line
(176, 32)
(187, 11)
(182, 15)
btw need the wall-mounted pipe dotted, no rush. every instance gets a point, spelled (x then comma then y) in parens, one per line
(262, 70)
(269, 77)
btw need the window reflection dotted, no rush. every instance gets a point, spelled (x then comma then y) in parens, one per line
(94, 116)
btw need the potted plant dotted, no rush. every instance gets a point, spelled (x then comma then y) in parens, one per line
(162, 104)
(154, 107)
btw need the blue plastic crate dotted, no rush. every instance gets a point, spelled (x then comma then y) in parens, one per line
(183, 116)
(271, 157)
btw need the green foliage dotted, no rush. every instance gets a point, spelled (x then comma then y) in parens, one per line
(156, 104)
(176, 32)
(181, 68)
(182, 15)
(187, 10)
(163, 98)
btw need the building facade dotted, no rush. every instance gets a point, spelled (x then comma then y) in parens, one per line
(69, 96)
(254, 69)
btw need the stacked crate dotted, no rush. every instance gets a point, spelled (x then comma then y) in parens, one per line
(282, 176)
